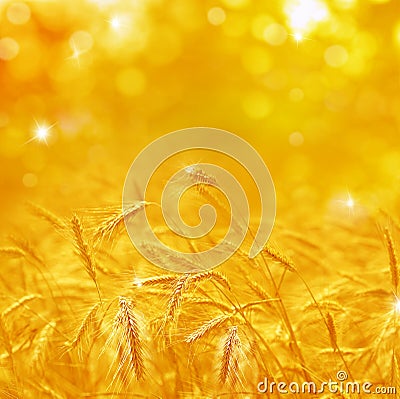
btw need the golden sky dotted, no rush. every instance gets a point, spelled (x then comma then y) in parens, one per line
(312, 85)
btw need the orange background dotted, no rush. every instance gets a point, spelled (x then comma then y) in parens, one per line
(113, 75)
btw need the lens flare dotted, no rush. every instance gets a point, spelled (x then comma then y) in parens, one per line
(304, 15)
(115, 23)
(350, 202)
(397, 305)
(41, 132)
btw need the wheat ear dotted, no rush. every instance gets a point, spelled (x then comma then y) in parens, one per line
(12, 252)
(84, 252)
(200, 178)
(129, 346)
(229, 371)
(209, 275)
(87, 322)
(40, 351)
(5, 336)
(175, 300)
(206, 327)
(114, 223)
(48, 216)
(7, 344)
(156, 280)
(27, 249)
(328, 305)
(20, 302)
(332, 330)
(257, 289)
(280, 258)
(393, 263)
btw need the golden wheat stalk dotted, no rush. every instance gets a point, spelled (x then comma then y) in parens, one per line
(167, 257)
(48, 216)
(166, 279)
(27, 249)
(175, 300)
(49, 391)
(20, 302)
(5, 336)
(376, 292)
(207, 327)
(280, 258)
(395, 370)
(87, 323)
(41, 346)
(393, 262)
(12, 252)
(353, 278)
(392, 220)
(126, 328)
(84, 252)
(209, 275)
(257, 289)
(229, 370)
(182, 284)
(82, 248)
(6, 340)
(332, 330)
(200, 178)
(114, 222)
(332, 306)
(35, 259)
(193, 279)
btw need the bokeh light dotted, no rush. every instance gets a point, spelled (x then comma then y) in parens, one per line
(18, 13)
(308, 81)
(9, 48)
(304, 15)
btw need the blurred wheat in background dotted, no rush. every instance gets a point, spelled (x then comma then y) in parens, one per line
(85, 85)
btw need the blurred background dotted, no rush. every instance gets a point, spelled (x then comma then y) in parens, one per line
(312, 85)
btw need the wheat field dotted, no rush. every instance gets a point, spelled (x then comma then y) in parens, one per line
(85, 85)
(83, 315)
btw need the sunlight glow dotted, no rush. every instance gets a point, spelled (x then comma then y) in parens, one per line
(137, 283)
(298, 37)
(41, 132)
(397, 306)
(115, 23)
(190, 169)
(75, 54)
(303, 15)
(350, 202)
